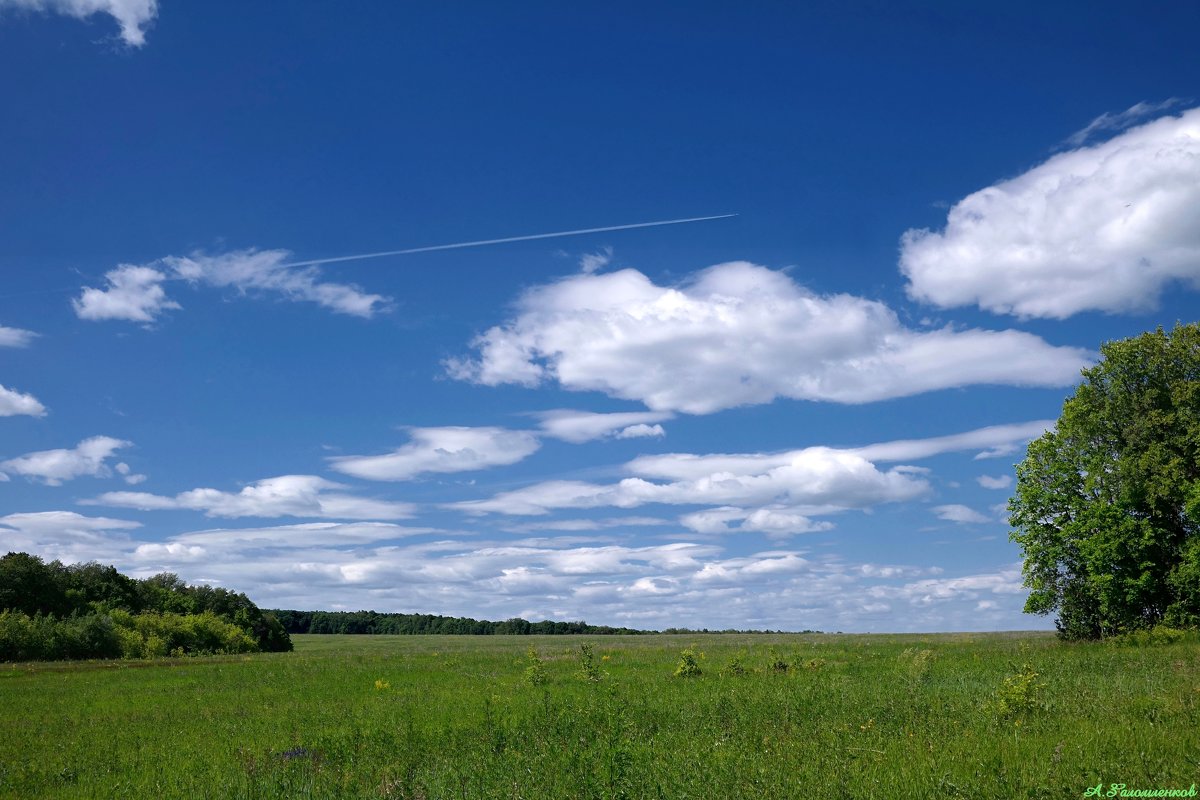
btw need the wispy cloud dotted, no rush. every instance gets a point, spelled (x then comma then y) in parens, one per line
(15, 337)
(283, 496)
(1109, 122)
(442, 450)
(583, 426)
(136, 293)
(134, 16)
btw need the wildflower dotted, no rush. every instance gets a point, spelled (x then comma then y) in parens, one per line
(381, 684)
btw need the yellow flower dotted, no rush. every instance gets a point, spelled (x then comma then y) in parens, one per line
(381, 684)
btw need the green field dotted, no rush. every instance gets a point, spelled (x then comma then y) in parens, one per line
(441, 717)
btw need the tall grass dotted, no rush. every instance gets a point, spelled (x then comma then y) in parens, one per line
(434, 717)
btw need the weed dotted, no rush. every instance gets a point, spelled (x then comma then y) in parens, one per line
(587, 664)
(687, 667)
(535, 672)
(1019, 695)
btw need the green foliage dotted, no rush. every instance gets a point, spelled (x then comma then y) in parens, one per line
(735, 667)
(1158, 636)
(1107, 504)
(54, 612)
(777, 662)
(588, 669)
(1019, 696)
(535, 671)
(687, 666)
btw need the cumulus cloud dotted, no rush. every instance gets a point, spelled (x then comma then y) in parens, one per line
(1104, 227)
(771, 493)
(941, 590)
(66, 535)
(15, 337)
(283, 496)
(997, 482)
(740, 334)
(961, 514)
(52, 467)
(135, 292)
(816, 476)
(774, 521)
(449, 449)
(583, 426)
(128, 475)
(134, 16)
(14, 403)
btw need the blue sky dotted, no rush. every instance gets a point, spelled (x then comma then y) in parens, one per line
(803, 416)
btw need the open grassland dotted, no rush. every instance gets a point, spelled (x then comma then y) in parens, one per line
(476, 717)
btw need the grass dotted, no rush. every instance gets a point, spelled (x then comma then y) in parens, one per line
(972, 716)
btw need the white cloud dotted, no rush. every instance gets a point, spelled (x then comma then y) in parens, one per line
(55, 466)
(583, 426)
(66, 535)
(15, 337)
(135, 293)
(997, 482)
(641, 432)
(283, 496)
(604, 523)
(960, 514)
(134, 16)
(267, 270)
(382, 566)
(740, 334)
(592, 262)
(1108, 121)
(128, 475)
(449, 449)
(1105, 227)
(774, 521)
(14, 403)
(773, 493)
(968, 587)
(816, 476)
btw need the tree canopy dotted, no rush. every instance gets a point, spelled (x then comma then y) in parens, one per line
(1107, 503)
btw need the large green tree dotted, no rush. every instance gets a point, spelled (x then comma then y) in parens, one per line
(1107, 504)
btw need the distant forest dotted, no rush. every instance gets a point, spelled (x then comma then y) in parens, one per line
(374, 622)
(421, 624)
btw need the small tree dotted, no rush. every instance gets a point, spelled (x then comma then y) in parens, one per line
(1107, 504)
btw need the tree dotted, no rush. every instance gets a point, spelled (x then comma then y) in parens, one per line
(1107, 503)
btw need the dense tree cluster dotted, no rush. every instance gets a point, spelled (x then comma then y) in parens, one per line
(51, 611)
(1107, 504)
(418, 624)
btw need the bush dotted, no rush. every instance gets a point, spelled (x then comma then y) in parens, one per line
(687, 667)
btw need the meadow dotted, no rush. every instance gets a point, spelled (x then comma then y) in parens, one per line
(842, 716)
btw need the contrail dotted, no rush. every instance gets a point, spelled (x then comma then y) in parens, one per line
(482, 242)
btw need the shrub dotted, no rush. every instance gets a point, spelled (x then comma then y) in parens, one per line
(736, 666)
(535, 672)
(1019, 695)
(687, 667)
(587, 663)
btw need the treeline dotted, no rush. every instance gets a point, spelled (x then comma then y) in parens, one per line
(425, 624)
(369, 622)
(51, 611)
